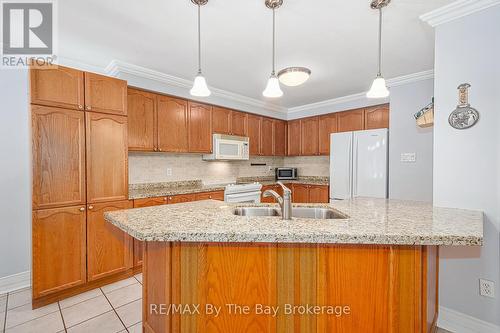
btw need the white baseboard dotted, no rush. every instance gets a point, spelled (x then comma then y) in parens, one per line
(458, 322)
(15, 282)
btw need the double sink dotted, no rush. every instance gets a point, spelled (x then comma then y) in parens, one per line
(318, 213)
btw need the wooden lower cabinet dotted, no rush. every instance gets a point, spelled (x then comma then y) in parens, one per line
(148, 202)
(364, 288)
(138, 252)
(109, 249)
(59, 249)
(302, 193)
(275, 187)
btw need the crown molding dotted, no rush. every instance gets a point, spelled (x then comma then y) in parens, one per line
(456, 10)
(116, 68)
(394, 82)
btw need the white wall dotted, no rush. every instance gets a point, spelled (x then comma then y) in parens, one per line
(410, 181)
(467, 162)
(15, 173)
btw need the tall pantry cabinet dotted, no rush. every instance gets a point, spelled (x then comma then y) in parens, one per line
(80, 171)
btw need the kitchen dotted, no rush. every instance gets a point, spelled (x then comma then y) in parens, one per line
(128, 137)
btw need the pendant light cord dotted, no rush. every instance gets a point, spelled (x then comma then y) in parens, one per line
(273, 73)
(199, 39)
(380, 43)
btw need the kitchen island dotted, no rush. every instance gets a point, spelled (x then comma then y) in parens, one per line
(372, 269)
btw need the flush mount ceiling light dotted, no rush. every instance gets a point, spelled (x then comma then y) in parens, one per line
(379, 87)
(273, 89)
(200, 88)
(294, 76)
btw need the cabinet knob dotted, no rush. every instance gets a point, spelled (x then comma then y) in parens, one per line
(159, 149)
(82, 209)
(210, 197)
(88, 107)
(165, 199)
(80, 107)
(170, 198)
(91, 207)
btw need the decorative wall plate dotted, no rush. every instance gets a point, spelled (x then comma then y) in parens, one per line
(464, 115)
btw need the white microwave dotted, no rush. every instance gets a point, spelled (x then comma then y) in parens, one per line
(228, 148)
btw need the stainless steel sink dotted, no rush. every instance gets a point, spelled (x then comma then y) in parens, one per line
(316, 213)
(298, 212)
(257, 211)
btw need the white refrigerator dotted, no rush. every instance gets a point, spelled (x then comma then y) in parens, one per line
(359, 164)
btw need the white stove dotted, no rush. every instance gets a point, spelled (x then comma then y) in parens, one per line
(243, 193)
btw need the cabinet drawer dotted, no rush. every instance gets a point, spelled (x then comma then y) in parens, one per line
(215, 195)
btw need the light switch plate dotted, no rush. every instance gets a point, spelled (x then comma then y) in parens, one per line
(169, 171)
(408, 157)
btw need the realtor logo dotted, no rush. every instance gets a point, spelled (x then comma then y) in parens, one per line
(27, 33)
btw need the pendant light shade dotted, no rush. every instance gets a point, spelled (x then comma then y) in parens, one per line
(379, 86)
(200, 88)
(273, 89)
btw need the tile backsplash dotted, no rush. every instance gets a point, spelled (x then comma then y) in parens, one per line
(156, 167)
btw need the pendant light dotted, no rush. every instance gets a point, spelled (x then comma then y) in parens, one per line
(200, 88)
(273, 89)
(379, 87)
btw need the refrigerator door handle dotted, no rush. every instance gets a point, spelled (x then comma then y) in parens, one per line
(350, 168)
(355, 166)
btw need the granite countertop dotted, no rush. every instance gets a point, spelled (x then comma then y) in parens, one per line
(153, 190)
(370, 221)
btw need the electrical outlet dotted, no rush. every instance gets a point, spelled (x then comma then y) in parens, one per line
(408, 157)
(169, 171)
(486, 288)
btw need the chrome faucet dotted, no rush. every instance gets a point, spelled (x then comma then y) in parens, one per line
(285, 202)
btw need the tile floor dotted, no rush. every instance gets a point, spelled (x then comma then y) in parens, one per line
(113, 308)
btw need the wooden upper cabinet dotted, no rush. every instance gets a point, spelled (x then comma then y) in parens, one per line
(353, 120)
(105, 94)
(279, 138)
(239, 123)
(254, 132)
(58, 152)
(221, 119)
(294, 138)
(58, 237)
(109, 249)
(107, 157)
(172, 118)
(199, 128)
(309, 132)
(327, 126)
(377, 117)
(141, 120)
(60, 87)
(267, 137)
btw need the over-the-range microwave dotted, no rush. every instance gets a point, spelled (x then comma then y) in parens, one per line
(228, 148)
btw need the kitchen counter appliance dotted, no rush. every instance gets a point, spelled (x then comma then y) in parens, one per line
(286, 173)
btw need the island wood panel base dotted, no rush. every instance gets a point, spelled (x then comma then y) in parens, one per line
(387, 288)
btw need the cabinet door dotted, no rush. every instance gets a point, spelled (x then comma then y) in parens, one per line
(309, 132)
(215, 195)
(148, 202)
(353, 120)
(105, 94)
(267, 137)
(377, 117)
(141, 107)
(327, 126)
(279, 138)
(107, 157)
(172, 124)
(221, 119)
(58, 152)
(60, 87)
(200, 128)
(275, 188)
(319, 194)
(181, 198)
(254, 132)
(300, 193)
(58, 247)
(293, 148)
(138, 252)
(239, 123)
(109, 249)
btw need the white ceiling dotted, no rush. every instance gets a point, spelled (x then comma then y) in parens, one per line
(336, 39)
